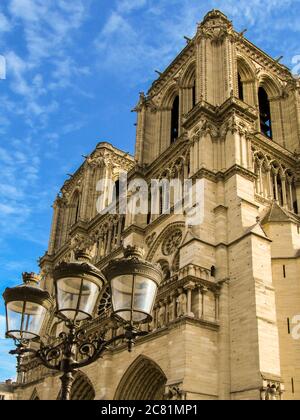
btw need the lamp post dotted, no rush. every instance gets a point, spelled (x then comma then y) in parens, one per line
(133, 283)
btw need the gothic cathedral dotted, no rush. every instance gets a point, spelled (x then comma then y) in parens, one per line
(223, 324)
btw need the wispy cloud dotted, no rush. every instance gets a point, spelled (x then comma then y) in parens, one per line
(5, 24)
(38, 70)
(133, 47)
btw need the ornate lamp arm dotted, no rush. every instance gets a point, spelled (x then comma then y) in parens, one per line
(62, 357)
(101, 346)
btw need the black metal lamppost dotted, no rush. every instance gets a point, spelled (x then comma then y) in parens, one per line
(133, 284)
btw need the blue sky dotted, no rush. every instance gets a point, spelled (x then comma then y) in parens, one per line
(74, 70)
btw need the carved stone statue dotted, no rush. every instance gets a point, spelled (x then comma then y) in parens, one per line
(181, 303)
(171, 310)
(161, 315)
(174, 392)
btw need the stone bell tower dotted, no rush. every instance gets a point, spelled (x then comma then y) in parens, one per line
(226, 113)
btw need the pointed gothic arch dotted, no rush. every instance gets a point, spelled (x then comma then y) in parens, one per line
(35, 395)
(143, 380)
(171, 115)
(270, 85)
(265, 112)
(188, 82)
(82, 388)
(175, 114)
(245, 81)
(74, 208)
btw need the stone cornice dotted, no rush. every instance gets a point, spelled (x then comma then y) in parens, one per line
(245, 235)
(185, 320)
(133, 229)
(217, 114)
(75, 181)
(272, 148)
(262, 58)
(165, 289)
(224, 175)
(237, 170)
(202, 108)
(195, 239)
(172, 69)
(241, 109)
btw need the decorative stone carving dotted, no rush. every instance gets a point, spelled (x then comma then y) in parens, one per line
(171, 309)
(82, 242)
(171, 243)
(150, 239)
(271, 391)
(181, 303)
(161, 319)
(215, 27)
(175, 392)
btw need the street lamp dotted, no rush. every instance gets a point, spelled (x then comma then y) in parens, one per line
(26, 309)
(133, 282)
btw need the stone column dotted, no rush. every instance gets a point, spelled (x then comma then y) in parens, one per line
(109, 239)
(200, 301)
(119, 232)
(155, 312)
(165, 302)
(250, 164)
(291, 200)
(283, 186)
(276, 185)
(56, 209)
(173, 296)
(261, 188)
(217, 298)
(204, 292)
(85, 193)
(270, 186)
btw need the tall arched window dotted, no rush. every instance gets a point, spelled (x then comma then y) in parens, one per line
(74, 209)
(240, 87)
(194, 93)
(175, 120)
(264, 112)
(246, 81)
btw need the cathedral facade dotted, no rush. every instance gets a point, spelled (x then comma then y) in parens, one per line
(224, 320)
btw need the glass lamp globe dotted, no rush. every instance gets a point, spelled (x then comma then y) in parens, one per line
(78, 285)
(133, 283)
(26, 308)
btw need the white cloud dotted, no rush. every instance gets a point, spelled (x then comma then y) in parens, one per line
(5, 24)
(133, 46)
(29, 10)
(127, 6)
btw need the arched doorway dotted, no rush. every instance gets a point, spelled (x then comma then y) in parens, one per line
(35, 395)
(82, 388)
(143, 380)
